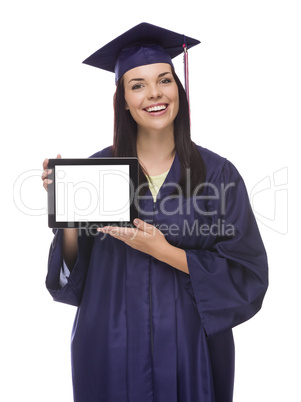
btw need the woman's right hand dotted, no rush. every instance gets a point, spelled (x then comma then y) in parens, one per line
(46, 172)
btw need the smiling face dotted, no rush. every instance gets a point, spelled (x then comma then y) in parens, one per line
(151, 96)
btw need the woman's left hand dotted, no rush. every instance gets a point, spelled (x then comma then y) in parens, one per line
(144, 237)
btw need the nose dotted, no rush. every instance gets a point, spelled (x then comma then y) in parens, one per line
(154, 92)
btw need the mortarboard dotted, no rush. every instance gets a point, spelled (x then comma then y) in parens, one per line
(141, 45)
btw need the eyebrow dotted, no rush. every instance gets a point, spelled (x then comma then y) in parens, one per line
(142, 79)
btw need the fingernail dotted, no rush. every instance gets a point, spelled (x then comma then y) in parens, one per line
(103, 229)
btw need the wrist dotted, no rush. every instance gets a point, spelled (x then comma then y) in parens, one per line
(164, 252)
(173, 256)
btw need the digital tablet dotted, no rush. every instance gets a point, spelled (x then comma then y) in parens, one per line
(92, 192)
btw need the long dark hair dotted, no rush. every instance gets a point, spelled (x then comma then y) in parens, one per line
(125, 137)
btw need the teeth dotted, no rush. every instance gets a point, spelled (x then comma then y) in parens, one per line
(156, 108)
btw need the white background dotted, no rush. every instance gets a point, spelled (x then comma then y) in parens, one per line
(92, 193)
(245, 103)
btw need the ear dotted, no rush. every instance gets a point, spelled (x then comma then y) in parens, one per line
(126, 106)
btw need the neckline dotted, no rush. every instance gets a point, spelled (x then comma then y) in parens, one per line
(158, 176)
(172, 176)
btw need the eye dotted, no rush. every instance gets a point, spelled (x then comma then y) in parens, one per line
(137, 86)
(165, 81)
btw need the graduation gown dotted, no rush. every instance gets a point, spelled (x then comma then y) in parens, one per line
(147, 332)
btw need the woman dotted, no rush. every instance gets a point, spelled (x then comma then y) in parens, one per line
(157, 302)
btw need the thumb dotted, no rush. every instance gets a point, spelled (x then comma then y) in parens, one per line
(146, 227)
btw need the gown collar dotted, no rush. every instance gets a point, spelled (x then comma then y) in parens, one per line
(171, 179)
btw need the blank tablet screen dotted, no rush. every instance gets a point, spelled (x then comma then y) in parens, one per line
(95, 191)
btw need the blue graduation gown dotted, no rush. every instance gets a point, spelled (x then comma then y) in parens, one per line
(146, 332)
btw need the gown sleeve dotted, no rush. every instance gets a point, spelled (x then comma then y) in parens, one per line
(71, 292)
(229, 279)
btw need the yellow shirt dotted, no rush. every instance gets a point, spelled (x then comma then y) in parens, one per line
(155, 182)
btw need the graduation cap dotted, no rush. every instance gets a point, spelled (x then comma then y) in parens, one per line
(141, 45)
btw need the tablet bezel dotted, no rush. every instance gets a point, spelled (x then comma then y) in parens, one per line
(107, 161)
